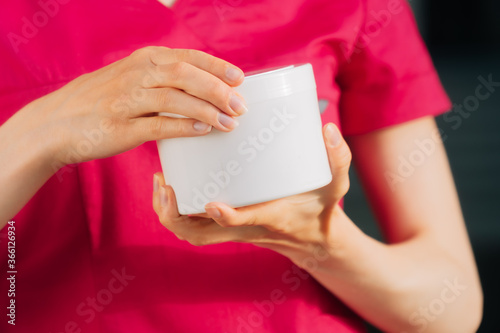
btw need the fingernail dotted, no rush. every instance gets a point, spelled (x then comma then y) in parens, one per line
(213, 212)
(233, 74)
(226, 121)
(237, 104)
(200, 126)
(156, 183)
(333, 135)
(163, 197)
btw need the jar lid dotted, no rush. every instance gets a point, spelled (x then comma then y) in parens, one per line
(276, 82)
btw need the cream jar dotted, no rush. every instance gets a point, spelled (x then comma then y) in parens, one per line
(276, 151)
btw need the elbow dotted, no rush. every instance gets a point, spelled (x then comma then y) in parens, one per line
(458, 312)
(468, 313)
(475, 316)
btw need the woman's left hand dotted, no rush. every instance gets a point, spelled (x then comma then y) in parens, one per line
(289, 225)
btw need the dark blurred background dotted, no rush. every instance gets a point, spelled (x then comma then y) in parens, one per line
(464, 40)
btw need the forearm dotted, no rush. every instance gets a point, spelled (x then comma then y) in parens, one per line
(412, 286)
(25, 161)
(425, 281)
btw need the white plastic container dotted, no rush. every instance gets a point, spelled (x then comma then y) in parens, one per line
(275, 152)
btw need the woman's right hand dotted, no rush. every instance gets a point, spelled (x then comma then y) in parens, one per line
(112, 110)
(115, 108)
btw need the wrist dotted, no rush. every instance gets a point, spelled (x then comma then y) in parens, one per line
(26, 157)
(340, 239)
(38, 137)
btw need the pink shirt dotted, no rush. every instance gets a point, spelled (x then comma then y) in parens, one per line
(91, 255)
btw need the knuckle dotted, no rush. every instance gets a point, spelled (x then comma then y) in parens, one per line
(197, 240)
(344, 186)
(212, 114)
(143, 52)
(189, 53)
(346, 156)
(212, 61)
(157, 127)
(163, 98)
(158, 49)
(178, 70)
(349, 156)
(341, 187)
(148, 52)
(185, 53)
(219, 91)
(215, 64)
(170, 128)
(206, 113)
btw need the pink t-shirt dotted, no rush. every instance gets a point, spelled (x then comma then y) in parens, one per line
(91, 255)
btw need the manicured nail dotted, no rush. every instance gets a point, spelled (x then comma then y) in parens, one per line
(156, 183)
(237, 104)
(200, 126)
(233, 74)
(333, 135)
(226, 121)
(213, 212)
(163, 197)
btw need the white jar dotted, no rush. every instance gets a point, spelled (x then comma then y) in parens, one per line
(275, 152)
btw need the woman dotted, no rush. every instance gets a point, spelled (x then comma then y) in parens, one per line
(83, 84)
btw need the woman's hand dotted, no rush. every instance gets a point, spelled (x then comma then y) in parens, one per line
(289, 225)
(115, 108)
(393, 286)
(112, 110)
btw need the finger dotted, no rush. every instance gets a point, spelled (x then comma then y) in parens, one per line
(204, 215)
(197, 231)
(182, 227)
(165, 206)
(227, 216)
(339, 156)
(164, 201)
(175, 101)
(199, 83)
(222, 69)
(162, 127)
(156, 194)
(263, 215)
(169, 203)
(206, 232)
(158, 182)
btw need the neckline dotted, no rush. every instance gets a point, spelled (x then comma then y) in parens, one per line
(168, 3)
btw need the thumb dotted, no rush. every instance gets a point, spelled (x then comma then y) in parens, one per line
(339, 156)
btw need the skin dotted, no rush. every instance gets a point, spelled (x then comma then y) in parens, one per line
(119, 104)
(386, 283)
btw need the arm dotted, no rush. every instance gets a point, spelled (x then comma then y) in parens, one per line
(25, 162)
(405, 286)
(428, 263)
(112, 110)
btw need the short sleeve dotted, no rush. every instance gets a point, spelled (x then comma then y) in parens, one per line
(387, 77)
